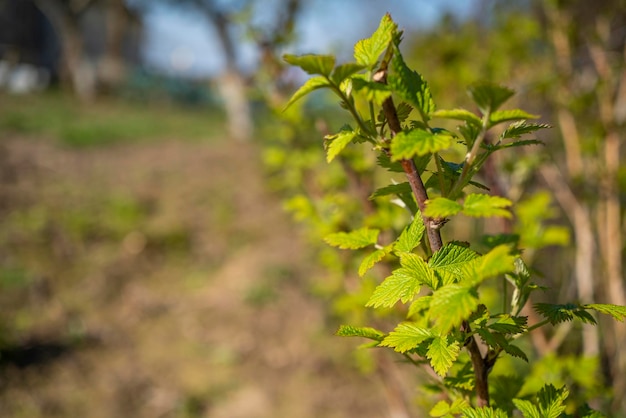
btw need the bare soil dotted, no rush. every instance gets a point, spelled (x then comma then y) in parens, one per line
(161, 280)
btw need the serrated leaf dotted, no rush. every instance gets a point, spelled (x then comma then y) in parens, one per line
(370, 261)
(392, 189)
(489, 96)
(310, 85)
(343, 71)
(372, 91)
(367, 51)
(507, 324)
(451, 258)
(485, 206)
(403, 284)
(408, 144)
(440, 409)
(419, 305)
(552, 401)
(527, 408)
(485, 412)
(384, 161)
(411, 236)
(311, 63)
(459, 114)
(451, 304)
(584, 316)
(616, 311)
(337, 142)
(356, 239)
(500, 116)
(406, 337)
(556, 313)
(410, 85)
(365, 332)
(440, 207)
(495, 262)
(517, 129)
(442, 354)
(403, 110)
(515, 351)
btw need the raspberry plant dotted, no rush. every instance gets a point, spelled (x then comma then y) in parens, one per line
(449, 326)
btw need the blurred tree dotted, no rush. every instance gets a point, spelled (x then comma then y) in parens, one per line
(102, 66)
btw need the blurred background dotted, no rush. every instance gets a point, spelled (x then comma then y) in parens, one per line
(161, 217)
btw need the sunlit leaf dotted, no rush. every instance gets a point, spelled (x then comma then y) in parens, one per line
(410, 236)
(310, 85)
(458, 114)
(370, 261)
(366, 332)
(407, 144)
(442, 354)
(451, 305)
(517, 129)
(410, 86)
(343, 71)
(440, 207)
(311, 63)
(500, 116)
(337, 142)
(485, 206)
(359, 238)
(616, 311)
(406, 337)
(367, 51)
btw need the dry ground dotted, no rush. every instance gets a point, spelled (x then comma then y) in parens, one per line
(160, 280)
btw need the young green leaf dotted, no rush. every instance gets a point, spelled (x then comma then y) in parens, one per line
(489, 96)
(411, 236)
(440, 207)
(370, 261)
(616, 311)
(312, 64)
(517, 129)
(444, 409)
(451, 258)
(403, 284)
(459, 114)
(507, 324)
(356, 239)
(485, 412)
(527, 408)
(495, 262)
(310, 85)
(419, 305)
(337, 143)
(485, 206)
(343, 71)
(451, 304)
(556, 313)
(500, 116)
(442, 354)
(366, 332)
(408, 144)
(406, 337)
(410, 86)
(372, 91)
(367, 51)
(552, 401)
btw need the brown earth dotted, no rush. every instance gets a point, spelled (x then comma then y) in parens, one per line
(161, 280)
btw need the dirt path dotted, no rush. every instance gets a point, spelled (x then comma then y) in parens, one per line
(170, 283)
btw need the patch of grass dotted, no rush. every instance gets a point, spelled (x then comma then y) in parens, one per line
(106, 121)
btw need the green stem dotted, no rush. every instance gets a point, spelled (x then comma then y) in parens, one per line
(538, 325)
(355, 114)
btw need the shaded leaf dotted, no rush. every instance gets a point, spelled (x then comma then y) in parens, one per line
(489, 96)
(392, 189)
(556, 313)
(517, 129)
(371, 90)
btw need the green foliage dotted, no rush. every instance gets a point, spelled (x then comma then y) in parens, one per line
(442, 283)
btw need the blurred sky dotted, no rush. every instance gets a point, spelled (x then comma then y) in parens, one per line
(180, 42)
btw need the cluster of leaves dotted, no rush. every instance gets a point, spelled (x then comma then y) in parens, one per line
(439, 283)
